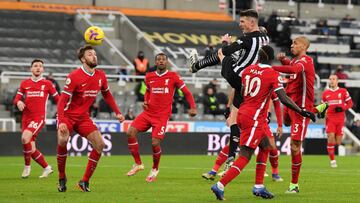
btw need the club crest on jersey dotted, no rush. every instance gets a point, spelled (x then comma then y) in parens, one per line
(67, 81)
(339, 95)
(42, 87)
(100, 83)
(167, 81)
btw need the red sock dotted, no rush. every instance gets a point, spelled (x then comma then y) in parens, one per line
(39, 158)
(234, 170)
(222, 157)
(91, 165)
(314, 110)
(156, 156)
(274, 158)
(331, 150)
(61, 160)
(134, 149)
(27, 153)
(261, 166)
(295, 167)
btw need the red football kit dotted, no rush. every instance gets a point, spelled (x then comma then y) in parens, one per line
(340, 99)
(259, 81)
(277, 108)
(300, 89)
(80, 91)
(35, 93)
(159, 95)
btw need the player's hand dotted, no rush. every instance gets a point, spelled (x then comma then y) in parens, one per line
(20, 105)
(268, 117)
(280, 56)
(145, 105)
(339, 109)
(308, 114)
(120, 117)
(192, 112)
(220, 55)
(227, 112)
(63, 128)
(226, 38)
(279, 132)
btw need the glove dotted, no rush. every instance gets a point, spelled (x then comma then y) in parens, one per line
(227, 112)
(268, 117)
(338, 109)
(308, 114)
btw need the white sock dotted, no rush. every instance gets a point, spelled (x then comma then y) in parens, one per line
(48, 167)
(220, 186)
(259, 186)
(27, 167)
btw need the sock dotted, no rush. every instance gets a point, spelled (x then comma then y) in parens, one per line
(211, 60)
(156, 156)
(331, 150)
(39, 158)
(234, 170)
(295, 167)
(134, 149)
(27, 153)
(91, 166)
(61, 160)
(234, 140)
(261, 166)
(221, 158)
(274, 157)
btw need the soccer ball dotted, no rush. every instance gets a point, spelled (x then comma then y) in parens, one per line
(94, 35)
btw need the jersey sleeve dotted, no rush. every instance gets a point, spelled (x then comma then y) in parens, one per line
(20, 93)
(104, 85)
(70, 85)
(179, 83)
(299, 66)
(241, 43)
(52, 91)
(276, 81)
(323, 99)
(348, 100)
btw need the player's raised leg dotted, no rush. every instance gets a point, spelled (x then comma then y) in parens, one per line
(63, 137)
(27, 151)
(133, 146)
(98, 146)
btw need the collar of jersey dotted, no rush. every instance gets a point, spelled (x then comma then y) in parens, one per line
(83, 69)
(162, 73)
(333, 90)
(40, 78)
(261, 65)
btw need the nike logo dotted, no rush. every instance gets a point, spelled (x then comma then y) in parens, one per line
(151, 82)
(83, 85)
(327, 96)
(27, 88)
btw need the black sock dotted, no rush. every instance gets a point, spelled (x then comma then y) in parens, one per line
(234, 140)
(211, 60)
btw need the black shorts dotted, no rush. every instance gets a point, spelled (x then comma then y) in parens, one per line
(238, 99)
(228, 73)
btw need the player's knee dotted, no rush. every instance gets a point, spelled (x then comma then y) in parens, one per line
(295, 148)
(131, 132)
(155, 142)
(246, 152)
(100, 146)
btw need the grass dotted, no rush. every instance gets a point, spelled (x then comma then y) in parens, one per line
(179, 180)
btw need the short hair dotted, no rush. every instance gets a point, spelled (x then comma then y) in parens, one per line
(304, 40)
(161, 54)
(266, 54)
(249, 13)
(36, 60)
(81, 51)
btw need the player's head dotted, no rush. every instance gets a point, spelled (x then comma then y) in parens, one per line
(333, 81)
(87, 56)
(37, 67)
(161, 61)
(266, 54)
(249, 20)
(300, 45)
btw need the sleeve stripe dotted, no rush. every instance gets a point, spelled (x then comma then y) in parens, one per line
(279, 88)
(20, 93)
(277, 98)
(182, 86)
(68, 93)
(303, 68)
(347, 99)
(56, 93)
(107, 89)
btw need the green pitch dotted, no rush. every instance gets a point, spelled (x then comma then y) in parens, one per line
(179, 180)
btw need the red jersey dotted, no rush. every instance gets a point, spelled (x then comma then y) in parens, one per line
(338, 97)
(301, 86)
(83, 88)
(36, 94)
(259, 81)
(160, 91)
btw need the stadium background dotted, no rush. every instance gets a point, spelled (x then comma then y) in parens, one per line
(52, 30)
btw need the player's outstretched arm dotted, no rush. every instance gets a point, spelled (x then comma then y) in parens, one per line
(296, 68)
(282, 58)
(227, 50)
(109, 99)
(291, 104)
(190, 99)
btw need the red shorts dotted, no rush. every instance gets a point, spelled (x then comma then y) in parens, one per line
(299, 126)
(82, 125)
(334, 126)
(145, 121)
(33, 125)
(252, 132)
(267, 130)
